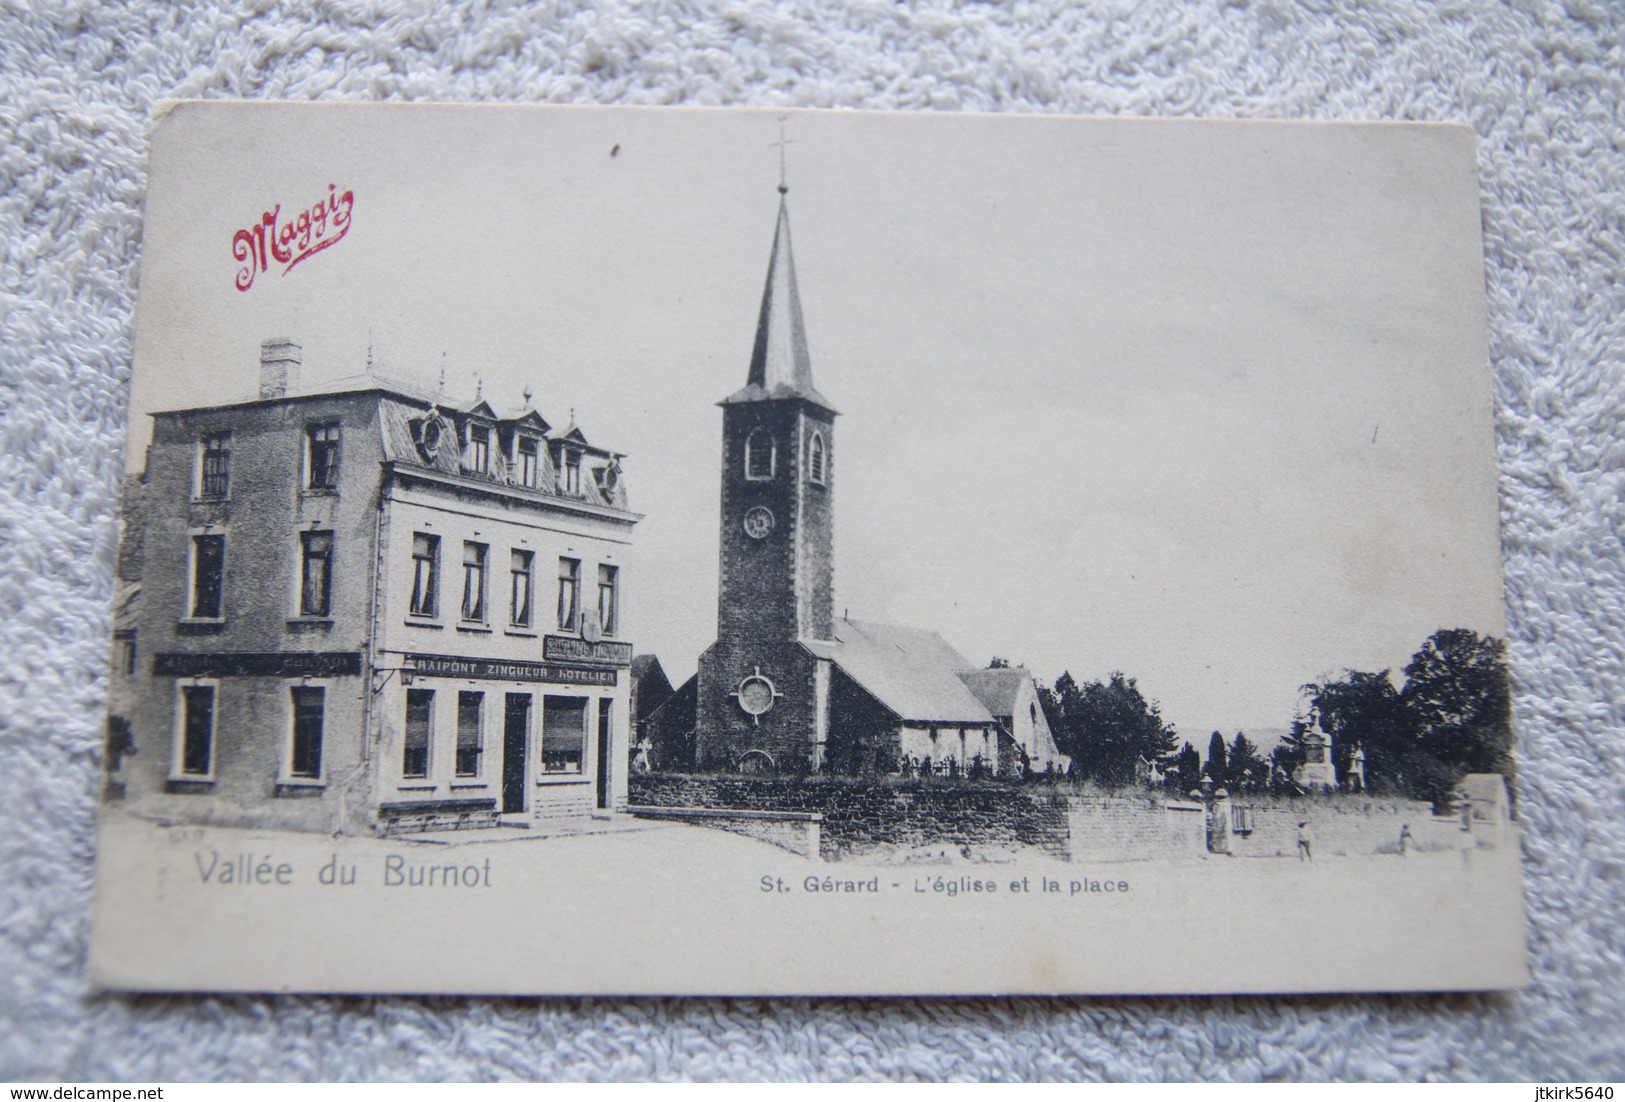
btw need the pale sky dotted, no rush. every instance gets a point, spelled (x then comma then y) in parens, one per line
(1206, 403)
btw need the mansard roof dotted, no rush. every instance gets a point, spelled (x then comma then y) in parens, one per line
(779, 364)
(403, 422)
(913, 672)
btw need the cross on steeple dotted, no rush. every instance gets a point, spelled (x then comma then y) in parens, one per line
(784, 187)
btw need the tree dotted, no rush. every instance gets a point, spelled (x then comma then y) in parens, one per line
(1217, 767)
(1453, 717)
(1247, 772)
(1460, 705)
(997, 663)
(1288, 756)
(1363, 709)
(1106, 727)
(1185, 771)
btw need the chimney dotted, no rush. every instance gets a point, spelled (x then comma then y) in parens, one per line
(279, 366)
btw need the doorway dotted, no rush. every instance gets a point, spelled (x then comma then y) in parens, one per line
(515, 743)
(604, 742)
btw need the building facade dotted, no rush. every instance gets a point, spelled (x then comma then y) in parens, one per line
(373, 611)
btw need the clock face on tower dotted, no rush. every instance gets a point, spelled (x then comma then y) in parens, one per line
(758, 522)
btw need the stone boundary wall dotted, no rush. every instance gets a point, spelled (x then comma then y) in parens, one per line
(1131, 827)
(865, 816)
(1341, 825)
(862, 817)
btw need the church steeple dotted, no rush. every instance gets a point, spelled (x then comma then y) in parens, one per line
(759, 697)
(779, 364)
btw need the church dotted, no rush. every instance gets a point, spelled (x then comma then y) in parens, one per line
(788, 687)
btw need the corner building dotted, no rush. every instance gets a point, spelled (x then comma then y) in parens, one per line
(373, 611)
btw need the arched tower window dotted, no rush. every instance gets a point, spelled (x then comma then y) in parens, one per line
(760, 457)
(815, 458)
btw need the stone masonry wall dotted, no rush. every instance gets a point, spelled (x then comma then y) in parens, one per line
(864, 816)
(1123, 827)
(1339, 825)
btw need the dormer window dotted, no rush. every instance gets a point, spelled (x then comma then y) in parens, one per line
(479, 450)
(529, 462)
(815, 459)
(570, 475)
(760, 456)
(426, 433)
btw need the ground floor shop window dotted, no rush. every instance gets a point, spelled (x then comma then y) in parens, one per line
(309, 714)
(564, 733)
(419, 707)
(470, 707)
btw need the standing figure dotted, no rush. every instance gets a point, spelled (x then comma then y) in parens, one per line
(1404, 839)
(1303, 842)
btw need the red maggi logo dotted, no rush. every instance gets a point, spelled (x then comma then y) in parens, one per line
(324, 224)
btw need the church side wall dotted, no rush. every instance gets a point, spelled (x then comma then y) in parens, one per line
(940, 745)
(863, 735)
(816, 561)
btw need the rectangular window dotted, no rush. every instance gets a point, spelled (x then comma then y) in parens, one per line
(208, 576)
(197, 730)
(564, 733)
(570, 478)
(522, 567)
(608, 579)
(469, 733)
(815, 458)
(479, 449)
(529, 465)
(214, 479)
(124, 647)
(425, 574)
(761, 455)
(474, 581)
(316, 574)
(569, 593)
(323, 456)
(419, 709)
(309, 710)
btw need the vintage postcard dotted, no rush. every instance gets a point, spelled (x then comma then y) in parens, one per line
(1067, 563)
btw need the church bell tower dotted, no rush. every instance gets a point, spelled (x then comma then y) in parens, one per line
(761, 692)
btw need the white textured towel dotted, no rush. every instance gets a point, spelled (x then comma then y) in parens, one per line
(1542, 83)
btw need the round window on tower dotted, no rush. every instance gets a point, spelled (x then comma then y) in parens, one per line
(756, 694)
